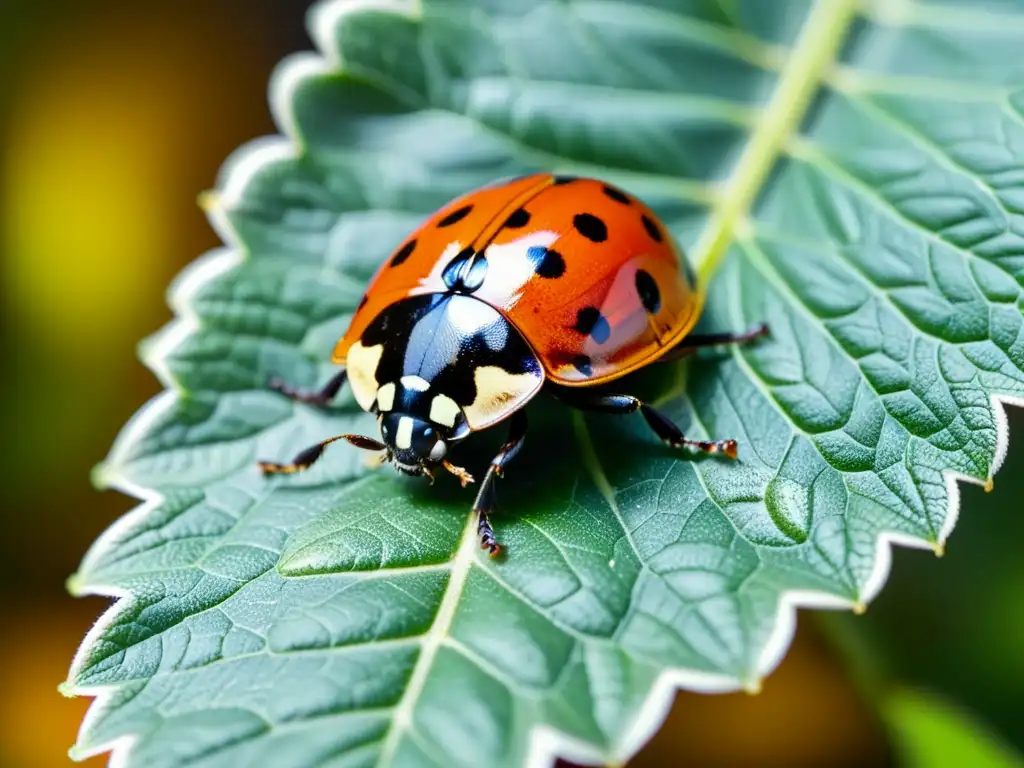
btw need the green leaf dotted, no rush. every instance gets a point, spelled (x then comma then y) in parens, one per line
(848, 172)
(932, 734)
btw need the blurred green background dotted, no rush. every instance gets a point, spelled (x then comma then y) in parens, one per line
(114, 116)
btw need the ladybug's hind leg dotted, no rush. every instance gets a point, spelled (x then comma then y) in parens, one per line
(659, 422)
(486, 497)
(691, 344)
(320, 397)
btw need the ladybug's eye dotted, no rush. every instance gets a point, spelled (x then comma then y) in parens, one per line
(438, 451)
(428, 432)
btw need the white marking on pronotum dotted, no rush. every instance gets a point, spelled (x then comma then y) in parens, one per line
(386, 396)
(546, 743)
(415, 383)
(498, 392)
(444, 410)
(403, 437)
(361, 365)
(470, 317)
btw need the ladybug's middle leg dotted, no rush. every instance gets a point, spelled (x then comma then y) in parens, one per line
(322, 396)
(659, 422)
(485, 498)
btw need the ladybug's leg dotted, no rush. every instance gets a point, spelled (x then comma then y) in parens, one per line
(691, 344)
(659, 422)
(485, 498)
(464, 477)
(321, 397)
(305, 459)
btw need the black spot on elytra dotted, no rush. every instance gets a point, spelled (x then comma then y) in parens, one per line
(616, 195)
(561, 179)
(582, 364)
(518, 219)
(647, 290)
(455, 216)
(590, 322)
(403, 253)
(547, 262)
(362, 303)
(652, 228)
(590, 227)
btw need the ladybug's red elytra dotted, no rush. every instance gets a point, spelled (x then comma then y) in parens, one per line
(543, 282)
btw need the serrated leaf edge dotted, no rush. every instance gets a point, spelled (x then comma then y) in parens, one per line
(547, 744)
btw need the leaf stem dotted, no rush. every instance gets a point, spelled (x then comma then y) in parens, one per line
(816, 50)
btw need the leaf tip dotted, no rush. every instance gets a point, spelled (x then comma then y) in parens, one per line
(752, 686)
(99, 476)
(73, 584)
(208, 200)
(78, 755)
(860, 608)
(67, 689)
(939, 548)
(989, 484)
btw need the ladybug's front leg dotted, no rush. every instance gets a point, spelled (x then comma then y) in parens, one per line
(321, 397)
(659, 422)
(485, 498)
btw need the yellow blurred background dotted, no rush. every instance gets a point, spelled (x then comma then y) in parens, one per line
(114, 115)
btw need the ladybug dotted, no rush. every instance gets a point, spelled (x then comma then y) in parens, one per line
(542, 282)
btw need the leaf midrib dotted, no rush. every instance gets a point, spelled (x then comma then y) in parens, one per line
(461, 564)
(816, 50)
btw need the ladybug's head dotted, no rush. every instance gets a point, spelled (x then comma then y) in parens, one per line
(413, 444)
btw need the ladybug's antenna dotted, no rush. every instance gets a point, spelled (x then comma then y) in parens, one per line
(360, 441)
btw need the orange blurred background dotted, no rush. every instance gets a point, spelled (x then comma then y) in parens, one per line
(113, 117)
